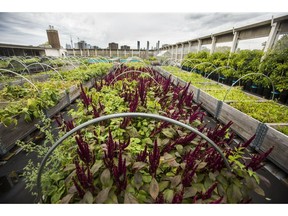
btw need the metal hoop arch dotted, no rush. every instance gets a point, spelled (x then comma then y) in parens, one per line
(49, 67)
(9, 71)
(146, 66)
(229, 89)
(120, 115)
(24, 65)
(137, 71)
(189, 60)
(218, 69)
(202, 64)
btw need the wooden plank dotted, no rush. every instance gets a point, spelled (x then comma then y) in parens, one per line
(279, 155)
(59, 106)
(9, 135)
(209, 103)
(193, 89)
(88, 84)
(74, 93)
(181, 82)
(243, 125)
(274, 125)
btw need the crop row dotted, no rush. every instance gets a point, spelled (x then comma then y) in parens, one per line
(231, 66)
(139, 160)
(264, 111)
(22, 105)
(244, 125)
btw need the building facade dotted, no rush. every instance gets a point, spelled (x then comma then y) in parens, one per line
(113, 46)
(53, 37)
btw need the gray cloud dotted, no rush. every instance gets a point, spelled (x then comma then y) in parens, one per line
(124, 28)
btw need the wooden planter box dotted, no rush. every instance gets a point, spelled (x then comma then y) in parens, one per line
(64, 101)
(209, 103)
(243, 125)
(74, 93)
(279, 155)
(21, 81)
(9, 135)
(12, 133)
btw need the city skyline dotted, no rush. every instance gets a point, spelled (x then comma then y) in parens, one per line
(99, 29)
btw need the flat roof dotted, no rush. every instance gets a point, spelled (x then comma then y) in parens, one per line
(16, 46)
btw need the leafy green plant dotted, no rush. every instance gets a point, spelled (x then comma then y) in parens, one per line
(216, 90)
(26, 100)
(3, 64)
(283, 129)
(144, 161)
(235, 94)
(275, 65)
(268, 112)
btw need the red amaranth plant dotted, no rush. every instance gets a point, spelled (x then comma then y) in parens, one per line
(142, 91)
(110, 152)
(84, 151)
(134, 102)
(213, 159)
(154, 159)
(178, 170)
(119, 173)
(97, 86)
(97, 111)
(86, 100)
(178, 197)
(208, 193)
(160, 198)
(142, 156)
(218, 133)
(257, 159)
(85, 181)
(69, 124)
(188, 174)
(181, 141)
(247, 143)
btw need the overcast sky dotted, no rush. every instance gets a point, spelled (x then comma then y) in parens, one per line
(125, 28)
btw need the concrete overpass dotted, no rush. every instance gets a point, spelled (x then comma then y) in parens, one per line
(20, 50)
(271, 28)
(23, 50)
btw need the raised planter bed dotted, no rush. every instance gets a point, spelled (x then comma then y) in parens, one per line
(245, 126)
(279, 154)
(150, 144)
(9, 135)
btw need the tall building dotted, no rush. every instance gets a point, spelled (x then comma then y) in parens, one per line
(82, 45)
(125, 47)
(53, 37)
(113, 46)
(147, 45)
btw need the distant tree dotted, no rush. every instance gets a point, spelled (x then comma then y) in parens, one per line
(275, 64)
(45, 44)
(222, 49)
(281, 44)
